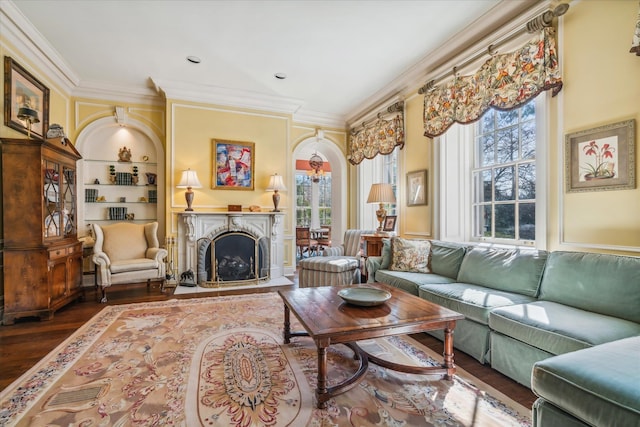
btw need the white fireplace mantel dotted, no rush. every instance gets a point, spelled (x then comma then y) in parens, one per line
(193, 226)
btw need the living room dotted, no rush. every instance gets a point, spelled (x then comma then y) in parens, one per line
(600, 88)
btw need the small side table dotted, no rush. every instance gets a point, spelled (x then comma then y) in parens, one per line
(372, 247)
(372, 244)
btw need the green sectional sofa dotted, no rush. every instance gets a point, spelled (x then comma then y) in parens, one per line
(524, 306)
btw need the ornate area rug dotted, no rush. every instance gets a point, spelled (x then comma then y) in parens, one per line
(222, 362)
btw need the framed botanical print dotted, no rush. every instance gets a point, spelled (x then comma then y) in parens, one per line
(601, 158)
(26, 101)
(233, 165)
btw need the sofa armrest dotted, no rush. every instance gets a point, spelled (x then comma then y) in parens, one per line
(102, 261)
(372, 264)
(333, 251)
(159, 254)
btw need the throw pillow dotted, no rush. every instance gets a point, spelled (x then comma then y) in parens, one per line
(410, 255)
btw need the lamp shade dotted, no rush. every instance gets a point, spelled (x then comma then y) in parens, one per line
(381, 193)
(276, 183)
(189, 180)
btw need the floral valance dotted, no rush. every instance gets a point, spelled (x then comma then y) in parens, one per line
(504, 82)
(378, 137)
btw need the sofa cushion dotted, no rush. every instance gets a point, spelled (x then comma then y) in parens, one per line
(446, 258)
(410, 255)
(511, 270)
(409, 282)
(602, 283)
(578, 383)
(473, 301)
(137, 264)
(557, 328)
(386, 254)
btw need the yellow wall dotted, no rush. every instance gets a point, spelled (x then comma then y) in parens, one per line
(601, 86)
(415, 221)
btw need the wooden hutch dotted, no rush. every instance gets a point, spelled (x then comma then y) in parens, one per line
(42, 254)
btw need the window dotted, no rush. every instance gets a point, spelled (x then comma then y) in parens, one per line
(380, 169)
(504, 175)
(304, 202)
(492, 187)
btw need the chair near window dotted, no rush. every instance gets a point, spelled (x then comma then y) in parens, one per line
(324, 241)
(304, 242)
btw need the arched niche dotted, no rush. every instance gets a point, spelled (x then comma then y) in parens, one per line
(101, 140)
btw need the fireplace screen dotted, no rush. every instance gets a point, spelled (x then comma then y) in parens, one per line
(236, 258)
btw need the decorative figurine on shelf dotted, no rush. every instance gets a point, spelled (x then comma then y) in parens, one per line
(124, 155)
(96, 181)
(112, 174)
(187, 278)
(130, 216)
(134, 178)
(151, 178)
(55, 131)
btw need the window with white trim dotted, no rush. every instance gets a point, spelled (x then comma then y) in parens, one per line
(493, 171)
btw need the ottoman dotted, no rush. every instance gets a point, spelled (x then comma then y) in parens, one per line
(328, 271)
(597, 386)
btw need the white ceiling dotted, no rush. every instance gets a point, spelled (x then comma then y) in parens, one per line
(338, 55)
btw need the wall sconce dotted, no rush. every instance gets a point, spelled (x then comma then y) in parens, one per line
(276, 184)
(189, 180)
(29, 115)
(381, 193)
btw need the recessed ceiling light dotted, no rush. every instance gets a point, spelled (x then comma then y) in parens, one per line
(193, 59)
(280, 76)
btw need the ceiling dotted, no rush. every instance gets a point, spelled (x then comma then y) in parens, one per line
(338, 55)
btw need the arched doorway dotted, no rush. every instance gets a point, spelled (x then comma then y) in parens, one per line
(332, 154)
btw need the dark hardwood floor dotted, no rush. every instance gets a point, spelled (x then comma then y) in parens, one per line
(23, 344)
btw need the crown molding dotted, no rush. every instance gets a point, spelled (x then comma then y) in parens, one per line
(319, 119)
(19, 31)
(185, 91)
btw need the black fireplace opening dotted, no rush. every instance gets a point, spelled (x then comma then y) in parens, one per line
(237, 257)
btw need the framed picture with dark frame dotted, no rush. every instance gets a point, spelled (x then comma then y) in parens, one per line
(601, 158)
(389, 223)
(233, 165)
(26, 101)
(417, 188)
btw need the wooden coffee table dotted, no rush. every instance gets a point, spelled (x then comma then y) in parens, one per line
(328, 320)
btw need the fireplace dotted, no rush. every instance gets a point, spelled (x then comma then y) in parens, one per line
(232, 258)
(231, 248)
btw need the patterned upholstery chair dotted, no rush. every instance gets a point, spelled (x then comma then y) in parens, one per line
(338, 265)
(127, 253)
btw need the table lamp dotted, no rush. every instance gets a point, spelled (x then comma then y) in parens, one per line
(189, 180)
(381, 193)
(276, 184)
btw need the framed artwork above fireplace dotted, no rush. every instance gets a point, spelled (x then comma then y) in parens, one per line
(233, 165)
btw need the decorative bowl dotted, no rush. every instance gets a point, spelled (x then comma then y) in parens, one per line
(364, 296)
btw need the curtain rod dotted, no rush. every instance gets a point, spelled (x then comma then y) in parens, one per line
(545, 19)
(396, 106)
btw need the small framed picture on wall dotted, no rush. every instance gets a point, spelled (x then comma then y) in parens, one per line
(417, 188)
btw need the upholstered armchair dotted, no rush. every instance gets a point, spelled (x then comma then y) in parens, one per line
(339, 265)
(127, 253)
